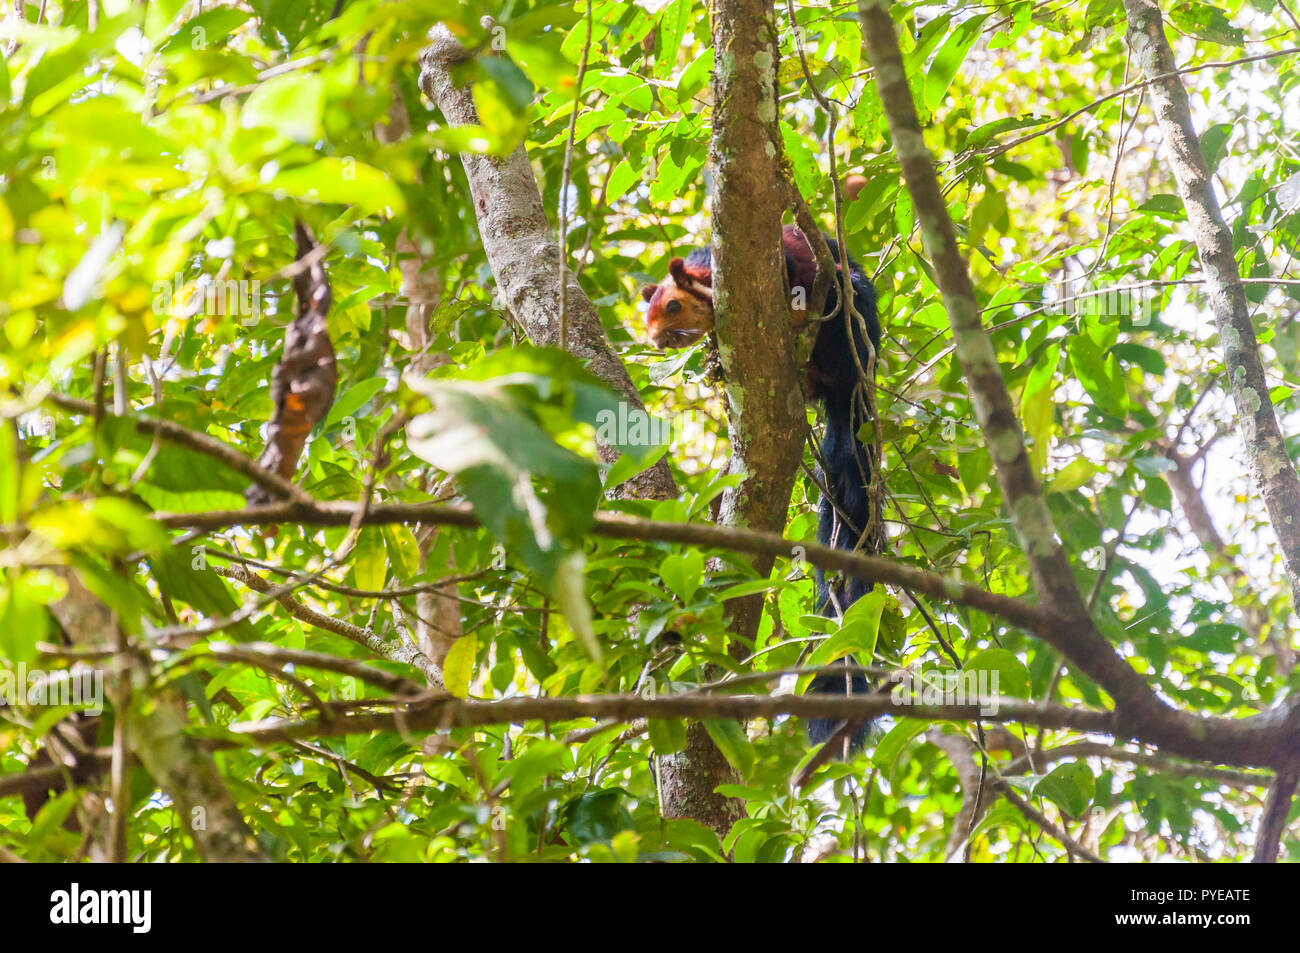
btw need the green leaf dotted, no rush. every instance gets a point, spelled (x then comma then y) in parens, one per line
(1077, 473)
(667, 735)
(107, 524)
(857, 634)
(210, 28)
(370, 560)
(1071, 787)
(682, 573)
(343, 181)
(537, 498)
(200, 501)
(292, 19)
(1214, 142)
(1007, 675)
(540, 58)
(729, 735)
(1038, 413)
(1149, 359)
(527, 772)
(621, 179)
(888, 754)
(202, 588)
(981, 135)
(458, 666)
(597, 817)
(807, 175)
(947, 61)
(509, 79)
(628, 466)
(1206, 21)
(403, 550)
(692, 79)
(1165, 206)
(23, 623)
(290, 105)
(1099, 374)
(990, 212)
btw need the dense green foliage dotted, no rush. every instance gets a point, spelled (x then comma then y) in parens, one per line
(164, 147)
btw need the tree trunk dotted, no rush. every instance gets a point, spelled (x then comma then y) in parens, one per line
(756, 343)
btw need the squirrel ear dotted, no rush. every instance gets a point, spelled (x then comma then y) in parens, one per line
(677, 268)
(701, 276)
(648, 291)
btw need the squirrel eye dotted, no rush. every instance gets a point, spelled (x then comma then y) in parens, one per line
(674, 306)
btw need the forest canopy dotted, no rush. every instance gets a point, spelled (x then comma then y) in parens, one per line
(351, 512)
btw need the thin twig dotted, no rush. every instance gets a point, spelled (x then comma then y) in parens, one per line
(564, 188)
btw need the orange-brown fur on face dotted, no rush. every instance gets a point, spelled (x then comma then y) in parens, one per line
(681, 306)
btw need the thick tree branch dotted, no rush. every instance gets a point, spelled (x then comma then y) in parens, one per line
(979, 361)
(445, 713)
(1260, 741)
(755, 340)
(524, 256)
(1049, 566)
(1257, 740)
(617, 526)
(440, 713)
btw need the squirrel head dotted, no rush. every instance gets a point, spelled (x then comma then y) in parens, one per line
(681, 306)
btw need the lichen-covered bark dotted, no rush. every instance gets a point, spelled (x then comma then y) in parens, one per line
(1266, 452)
(974, 349)
(177, 761)
(189, 775)
(756, 343)
(766, 420)
(523, 254)
(687, 780)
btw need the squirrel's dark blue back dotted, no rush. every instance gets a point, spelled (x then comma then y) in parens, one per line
(845, 513)
(839, 366)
